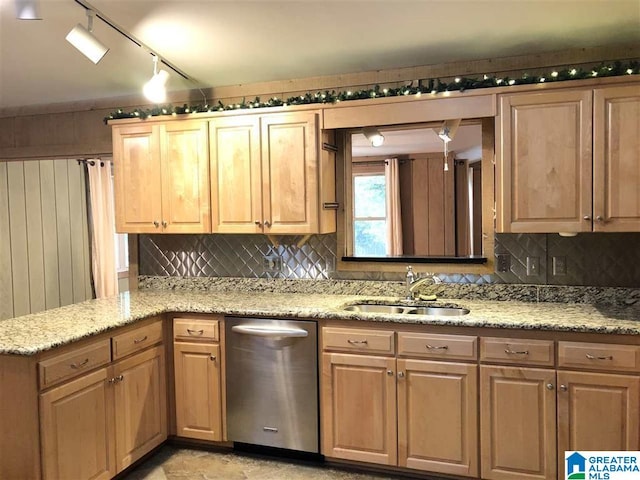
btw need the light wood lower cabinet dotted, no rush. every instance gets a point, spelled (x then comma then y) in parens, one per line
(198, 390)
(77, 431)
(438, 416)
(517, 423)
(359, 407)
(140, 405)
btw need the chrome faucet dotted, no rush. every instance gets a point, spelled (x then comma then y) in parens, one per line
(412, 282)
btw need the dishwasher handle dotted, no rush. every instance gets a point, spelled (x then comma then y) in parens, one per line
(267, 331)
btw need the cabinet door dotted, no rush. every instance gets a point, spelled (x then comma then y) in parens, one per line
(76, 429)
(517, 423)
(359, 408)
(198, 391)
(138, 196)
(140, 405)
(616, 156)
(438, 417)
(185, 177)
(236, 182)
(597, 411)
(290, 173)
(544, 166)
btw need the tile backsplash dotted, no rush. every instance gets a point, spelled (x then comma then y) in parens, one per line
(594, 259)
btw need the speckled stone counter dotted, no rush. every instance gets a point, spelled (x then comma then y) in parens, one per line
(31, 334)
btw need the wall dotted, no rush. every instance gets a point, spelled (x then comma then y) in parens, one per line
(594, 259)
(44, 245)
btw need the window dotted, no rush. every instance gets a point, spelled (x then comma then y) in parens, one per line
(369, 211)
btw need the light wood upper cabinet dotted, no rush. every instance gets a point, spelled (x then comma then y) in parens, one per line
(544, 162)
(569, 161)
(161, 174)
(616, 159)
(76, 428)
(269, 175)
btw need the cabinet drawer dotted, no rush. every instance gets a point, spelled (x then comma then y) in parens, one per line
(455, 347)
(358, 340)
(599, 356)
(137, 339)
(190, 329)
(515, 350)
(63, 367)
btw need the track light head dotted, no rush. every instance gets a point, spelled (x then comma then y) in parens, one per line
(83, 39)
(155, 89)
(374, 136)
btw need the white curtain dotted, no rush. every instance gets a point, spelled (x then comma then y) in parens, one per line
(394, 217)
(102, 228)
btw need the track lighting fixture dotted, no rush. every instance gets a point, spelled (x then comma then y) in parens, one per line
(27, 9)
(446, 134)
(374, 136)
(83, 39)
(155, 89)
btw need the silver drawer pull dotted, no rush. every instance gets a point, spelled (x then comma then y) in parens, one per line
(435, 347)
(357, 342)
(140, 340)
(270, 429)
(508, 351)
(79, 365)
(194, 332)
(604, 357)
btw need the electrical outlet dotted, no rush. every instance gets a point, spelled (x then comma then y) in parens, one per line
(272, 263)
(559, 265)
(533, 266)
(503, 262)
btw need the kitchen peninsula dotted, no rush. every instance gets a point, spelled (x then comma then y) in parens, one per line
(538, 350)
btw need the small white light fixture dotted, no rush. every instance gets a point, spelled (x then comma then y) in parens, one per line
(374, 136)
(155, 89)
(567, 234)
(446, 134)
(83, 39)
(27, 10)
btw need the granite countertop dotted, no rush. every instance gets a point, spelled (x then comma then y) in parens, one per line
(30, 334)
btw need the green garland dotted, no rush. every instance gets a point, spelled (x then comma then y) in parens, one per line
(431, 86)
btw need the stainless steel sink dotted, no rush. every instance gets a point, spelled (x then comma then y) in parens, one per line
(370, 308)
(441, 311)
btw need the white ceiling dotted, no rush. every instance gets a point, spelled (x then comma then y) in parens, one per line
(230, 42)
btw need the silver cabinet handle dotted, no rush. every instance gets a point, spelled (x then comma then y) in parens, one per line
(140, 340)
(550, 386)
(164, 224)
(357, 342)
(508, 351)
(212, 358)
(194, 332)
(603, 357)
(79, 365)
(563, 388)
(435, 347)
(267, 223)
(400, 374)
(268, 331)
(390, 372)
(599, 218)
(258, 223)
(587, 217)
(156, 223)
(114, 380)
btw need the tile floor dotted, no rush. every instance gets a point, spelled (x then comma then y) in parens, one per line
(173, 463)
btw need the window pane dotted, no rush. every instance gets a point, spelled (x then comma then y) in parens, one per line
(369, 196)
(370, 237)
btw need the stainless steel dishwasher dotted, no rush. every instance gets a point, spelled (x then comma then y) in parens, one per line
(272, 383)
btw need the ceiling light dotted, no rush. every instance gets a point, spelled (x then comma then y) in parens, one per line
(448, 130)
(155, 89)
(83, 39)
(27, 10)
(374, 136)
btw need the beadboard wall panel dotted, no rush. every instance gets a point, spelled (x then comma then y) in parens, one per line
(44, 248)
